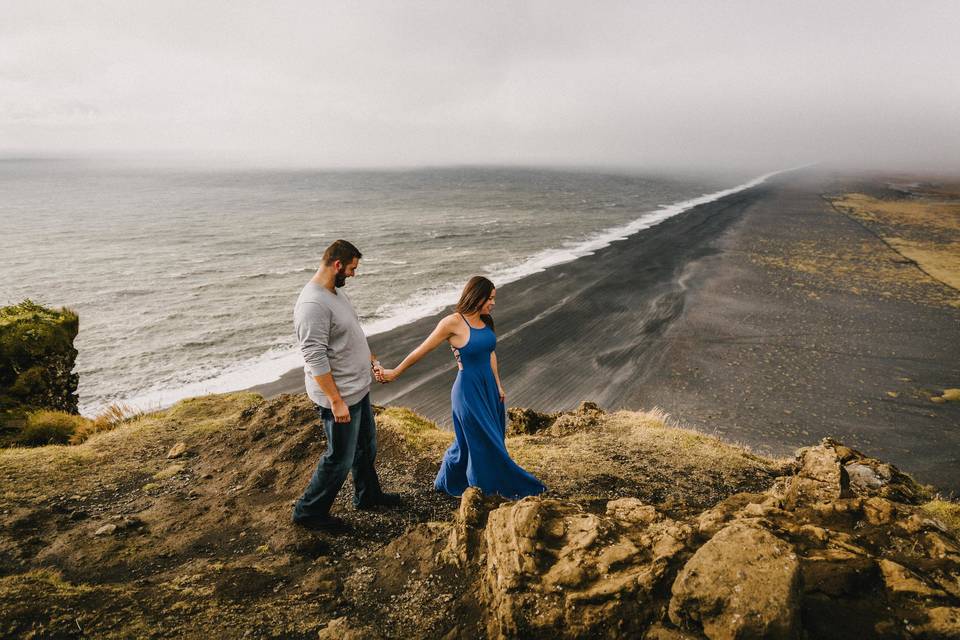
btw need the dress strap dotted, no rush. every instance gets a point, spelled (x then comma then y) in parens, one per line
(464, 319)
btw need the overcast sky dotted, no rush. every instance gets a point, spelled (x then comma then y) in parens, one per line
(355, 83)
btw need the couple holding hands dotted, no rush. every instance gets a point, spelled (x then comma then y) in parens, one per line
(338, 364)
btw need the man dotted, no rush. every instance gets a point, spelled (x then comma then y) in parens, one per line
(337, 370)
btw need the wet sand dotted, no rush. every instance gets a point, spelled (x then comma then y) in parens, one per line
(697, 316)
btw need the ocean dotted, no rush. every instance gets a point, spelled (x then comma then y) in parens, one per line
(185, 279)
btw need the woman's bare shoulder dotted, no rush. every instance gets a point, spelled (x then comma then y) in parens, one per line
(449, 321)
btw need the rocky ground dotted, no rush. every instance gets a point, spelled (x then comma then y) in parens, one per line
(177, 525)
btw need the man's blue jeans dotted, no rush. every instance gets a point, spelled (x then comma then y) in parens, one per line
(351, 446)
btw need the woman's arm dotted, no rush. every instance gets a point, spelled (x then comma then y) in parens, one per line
(442, 332)
(496, 374)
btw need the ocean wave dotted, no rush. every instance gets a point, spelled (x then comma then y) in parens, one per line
(181, 275)
(278, 272)
(131, 293)
(202, 343)
(443, 235)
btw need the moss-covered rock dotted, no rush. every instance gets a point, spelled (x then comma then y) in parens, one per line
(36, 361)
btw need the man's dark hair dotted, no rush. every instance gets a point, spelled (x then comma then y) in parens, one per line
(341, 250)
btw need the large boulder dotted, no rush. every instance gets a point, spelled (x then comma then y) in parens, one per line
(554, 571)
(743, 583)
(830, 471)
(820, 478)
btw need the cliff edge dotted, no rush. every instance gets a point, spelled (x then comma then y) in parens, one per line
(178, 524)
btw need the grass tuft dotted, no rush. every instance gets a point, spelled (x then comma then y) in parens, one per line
(413, 430)
(50, 427)
(948, 513)
(645, 454)
(208, 413)
(107, 420)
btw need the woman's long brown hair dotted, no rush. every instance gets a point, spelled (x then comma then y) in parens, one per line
(474, 295)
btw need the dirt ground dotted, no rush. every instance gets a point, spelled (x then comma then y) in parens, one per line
(202, 544)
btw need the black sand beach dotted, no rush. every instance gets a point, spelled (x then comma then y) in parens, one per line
(714, 317)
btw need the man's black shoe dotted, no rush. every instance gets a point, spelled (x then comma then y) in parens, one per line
(383, 500)
(322, 523)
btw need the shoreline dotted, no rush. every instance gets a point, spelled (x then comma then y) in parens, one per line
(679, 317)
(425, 388)
(271, 366)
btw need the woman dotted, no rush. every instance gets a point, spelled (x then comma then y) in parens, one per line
(478, 456)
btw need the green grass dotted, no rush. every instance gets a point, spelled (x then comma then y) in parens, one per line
(112, 456)
(210, 413)
(948, 513)
(50, 427)
(413, 430)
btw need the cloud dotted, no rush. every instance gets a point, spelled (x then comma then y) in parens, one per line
(385, 83)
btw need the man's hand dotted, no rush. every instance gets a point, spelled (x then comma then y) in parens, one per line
(341, 412)
(377, 371)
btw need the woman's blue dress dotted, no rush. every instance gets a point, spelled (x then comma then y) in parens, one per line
(478, 456)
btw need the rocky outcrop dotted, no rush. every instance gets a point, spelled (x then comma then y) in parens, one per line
(469, 522)
(838, 549)
(831, 470)
(553, 569)
(36, 360)
(647, 541)
(522, 421)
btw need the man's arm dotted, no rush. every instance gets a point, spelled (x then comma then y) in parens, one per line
(341, 412)
(313, 333)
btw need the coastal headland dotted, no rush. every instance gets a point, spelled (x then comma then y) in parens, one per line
(787, 308)
(813, 305)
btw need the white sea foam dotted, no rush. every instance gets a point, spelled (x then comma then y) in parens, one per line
(266, 367)
(429, 302)
(571, 251)
(278, 360)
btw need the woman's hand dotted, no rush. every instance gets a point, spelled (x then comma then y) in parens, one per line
(389, 375)
(503, 394)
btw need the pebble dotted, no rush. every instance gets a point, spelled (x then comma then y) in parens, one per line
(177, 450)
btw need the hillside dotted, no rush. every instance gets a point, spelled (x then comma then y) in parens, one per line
(647, 529)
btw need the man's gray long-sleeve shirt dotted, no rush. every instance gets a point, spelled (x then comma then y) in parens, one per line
(331, 340)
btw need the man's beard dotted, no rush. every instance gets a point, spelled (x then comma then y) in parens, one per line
(340, 279)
